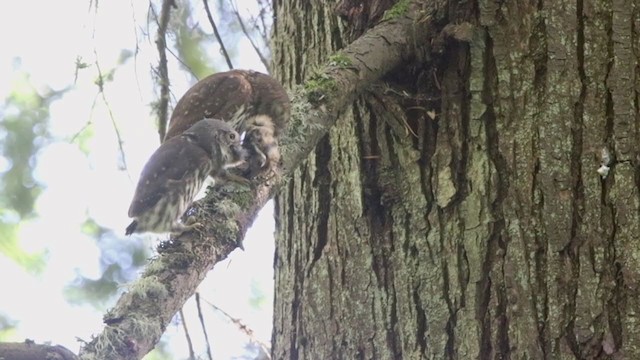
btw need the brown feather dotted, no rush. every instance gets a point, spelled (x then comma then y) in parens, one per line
(252, 102)
(176, 172)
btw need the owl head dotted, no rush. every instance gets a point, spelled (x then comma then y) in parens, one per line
(219, 141)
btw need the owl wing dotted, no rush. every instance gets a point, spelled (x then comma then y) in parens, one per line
(270, 98)
(170, 166)
(217, 96)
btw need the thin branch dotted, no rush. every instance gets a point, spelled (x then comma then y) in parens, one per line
(137, 50)
(82, 129)
(100, 84)
(217, 34)
(175, 56)
(262, 16)
(135, 324)
(263, 59)
(186, 66)
(163, 79)
(192, 354)
(244, 328)
(204, 327)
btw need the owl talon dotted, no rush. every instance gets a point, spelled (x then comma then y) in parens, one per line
(191, 221)
(190, 225)
(262, 158)
(228, 176)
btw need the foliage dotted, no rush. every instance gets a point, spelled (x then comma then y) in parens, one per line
(7, 327)
(119, 261)
(399, 9)
(340, 60)
(23, 131)
(191, 42)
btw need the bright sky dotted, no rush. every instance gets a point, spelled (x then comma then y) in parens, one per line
(48, 37)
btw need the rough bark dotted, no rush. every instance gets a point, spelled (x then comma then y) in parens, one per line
(456, 209)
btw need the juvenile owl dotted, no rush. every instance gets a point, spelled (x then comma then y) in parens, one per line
(176, 171)
(254, 103)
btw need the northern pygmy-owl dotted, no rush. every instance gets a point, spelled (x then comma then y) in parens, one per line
(176, 171)
(255, 103)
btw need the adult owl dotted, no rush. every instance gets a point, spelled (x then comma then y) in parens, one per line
(255, 104)
(176, 171)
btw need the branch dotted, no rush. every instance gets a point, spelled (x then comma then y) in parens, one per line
(263, 5)
(192, 354)
(204, 327)
(29, 350)
(217, 34)
(141, 315)
(263, 59)
(245, 329)
(161, 43)
(100, 83)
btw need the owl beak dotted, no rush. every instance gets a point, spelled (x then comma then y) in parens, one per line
(236, 164)
(238, 157)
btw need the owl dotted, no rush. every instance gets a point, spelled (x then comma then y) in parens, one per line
(176, 171)
(254, 103)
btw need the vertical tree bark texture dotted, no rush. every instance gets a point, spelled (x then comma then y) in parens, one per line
(456, 210)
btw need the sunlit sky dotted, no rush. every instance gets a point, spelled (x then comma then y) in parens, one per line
(44, 39)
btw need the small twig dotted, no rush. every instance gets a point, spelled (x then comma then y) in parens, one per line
(263, 59)
(262, 15)
(151, 11)
(100, 84)
(217, 34)
(137, 50)
(195, 76)
(161, 43)
(89, 122)
(175, 56)
(204, 328)
(86, 125)
(192, 354)
(243, 327)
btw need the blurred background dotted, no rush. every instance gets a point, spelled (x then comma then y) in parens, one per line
(78, 100)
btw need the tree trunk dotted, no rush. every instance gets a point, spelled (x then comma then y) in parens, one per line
(462, 208)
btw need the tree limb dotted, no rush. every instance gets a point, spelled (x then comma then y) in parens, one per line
(203, 325)
(192, 354)
(141, 315)
(245, 329)
(217, 35)
(263, 58)
(163, 71)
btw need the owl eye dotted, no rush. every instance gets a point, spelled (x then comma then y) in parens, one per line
(232, 136)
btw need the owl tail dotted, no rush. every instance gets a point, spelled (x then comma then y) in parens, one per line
(131, 228)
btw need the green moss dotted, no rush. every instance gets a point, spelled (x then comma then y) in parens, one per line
(244, 199)
(149, 287)
(320, 83)
(318, 86)
(340, 60)
(154, 266)
(399, 9)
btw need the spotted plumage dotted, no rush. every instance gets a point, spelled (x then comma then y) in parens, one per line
(254, 103)
(176, 172)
